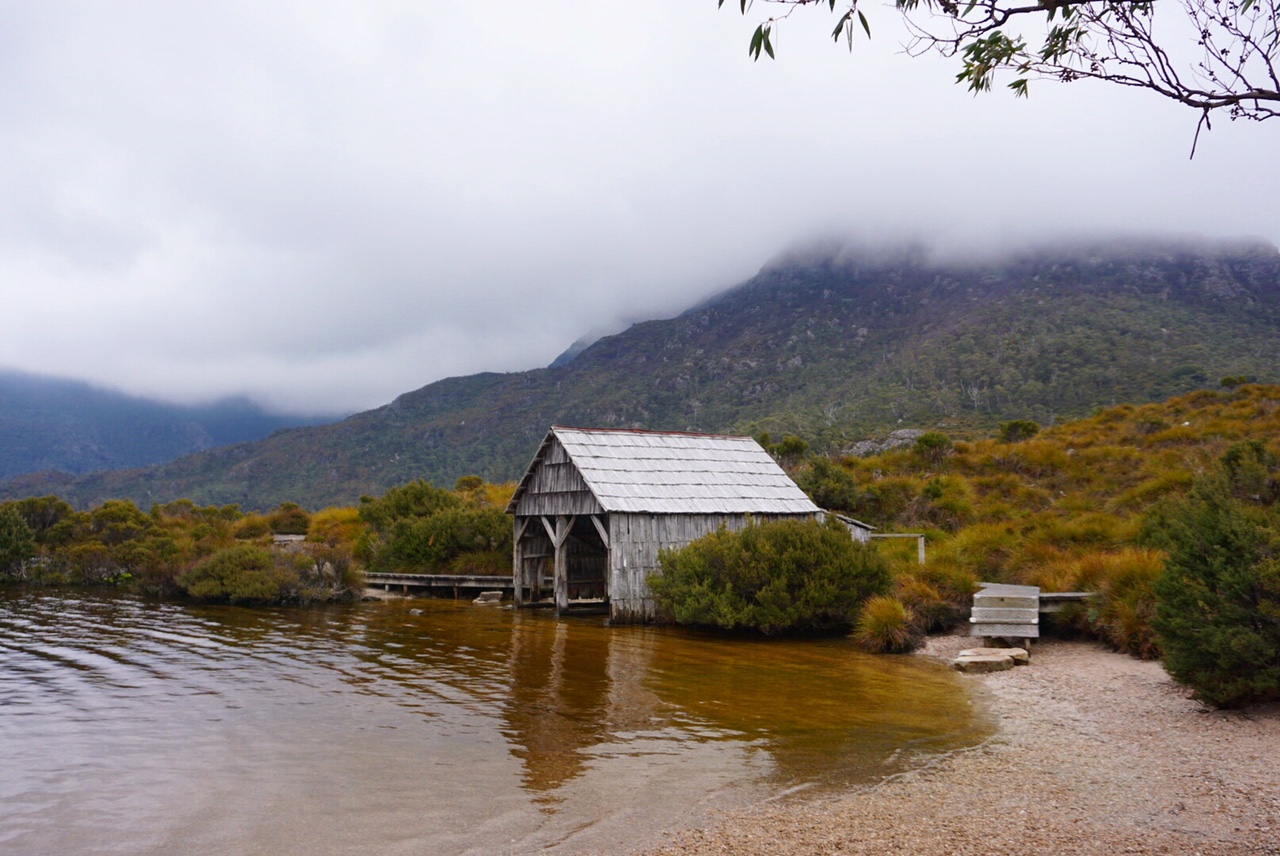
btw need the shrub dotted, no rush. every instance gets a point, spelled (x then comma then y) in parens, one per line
(325, 572)
(1126, 602)
(50, 518)
(1018, 429)
(933, 446)
(417, 543)
(415, 499)
(242, 574)
(334, 526)
(1218, 600)
(930, 610)
(17, 541)
(830, 486)
(252, 526)
(117, 521)
(289, 519)
(886, 626)
(775, 577)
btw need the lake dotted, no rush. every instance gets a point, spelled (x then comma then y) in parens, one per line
(424, 726)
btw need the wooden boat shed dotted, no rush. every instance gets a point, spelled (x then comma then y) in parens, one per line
(596, 506)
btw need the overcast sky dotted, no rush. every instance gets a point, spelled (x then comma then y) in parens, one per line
(323, 205)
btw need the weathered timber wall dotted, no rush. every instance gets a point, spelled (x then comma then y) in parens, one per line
(557, 487)
(634, 543)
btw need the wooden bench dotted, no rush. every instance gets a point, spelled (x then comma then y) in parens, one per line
(1005, 611)
(1013, 612)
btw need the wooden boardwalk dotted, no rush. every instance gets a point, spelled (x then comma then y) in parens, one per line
(440, 583)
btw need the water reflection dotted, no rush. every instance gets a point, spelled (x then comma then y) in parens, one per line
(426, 726)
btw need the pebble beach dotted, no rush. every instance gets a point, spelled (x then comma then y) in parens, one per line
(1095, 753)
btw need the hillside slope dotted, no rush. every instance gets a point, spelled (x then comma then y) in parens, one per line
(54, 424)
(832, 345)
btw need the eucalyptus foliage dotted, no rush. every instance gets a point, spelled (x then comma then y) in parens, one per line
(1233, 64)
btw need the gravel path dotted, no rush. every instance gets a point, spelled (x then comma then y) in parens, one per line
(1096, 753)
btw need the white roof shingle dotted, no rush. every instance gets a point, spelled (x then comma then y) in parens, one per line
(678, 473)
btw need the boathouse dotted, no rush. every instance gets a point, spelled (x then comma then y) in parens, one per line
(596, 506)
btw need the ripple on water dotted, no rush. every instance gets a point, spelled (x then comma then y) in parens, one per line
(129, 726)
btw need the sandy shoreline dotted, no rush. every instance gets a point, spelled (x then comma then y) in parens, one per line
(1096, 753)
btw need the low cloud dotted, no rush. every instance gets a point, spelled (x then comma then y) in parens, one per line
(324, 205)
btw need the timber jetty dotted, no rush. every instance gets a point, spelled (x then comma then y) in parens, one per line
(440, 584)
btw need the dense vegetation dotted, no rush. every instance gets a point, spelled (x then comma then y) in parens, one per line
(1168, 511)
(463, 531)
(221, 554)
(784, 576)
(834, 346)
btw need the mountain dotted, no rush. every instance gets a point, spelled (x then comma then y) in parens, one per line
(73, 427)
(834, 344)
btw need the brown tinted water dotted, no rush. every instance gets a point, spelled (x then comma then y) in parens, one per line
(135, 727)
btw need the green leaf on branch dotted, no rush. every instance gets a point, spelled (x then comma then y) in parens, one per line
(840, 25)
(760, 42)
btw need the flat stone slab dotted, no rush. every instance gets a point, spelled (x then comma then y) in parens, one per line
(983, 664)
(489, 597)
(1020, 655)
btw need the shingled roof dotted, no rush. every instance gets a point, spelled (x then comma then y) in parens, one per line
(654, 472)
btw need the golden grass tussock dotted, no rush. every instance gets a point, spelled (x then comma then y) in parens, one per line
(887, 626)
(337, 525)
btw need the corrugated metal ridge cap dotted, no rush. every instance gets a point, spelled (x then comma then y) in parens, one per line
(650, 432)
(707, 505)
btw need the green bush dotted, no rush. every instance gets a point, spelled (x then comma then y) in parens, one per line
(420, 528)
(415, 499)
(830, 486)
(50, 518)
(242, 574)
(425, 543)
(933, 446)
(289, 519)
(776, 577)
(1218, 600)
(1017, 430)
(17, 541)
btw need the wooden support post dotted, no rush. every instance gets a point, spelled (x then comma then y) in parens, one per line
(563, 524)
(921, 547)
(517, 561)
(559, 533)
